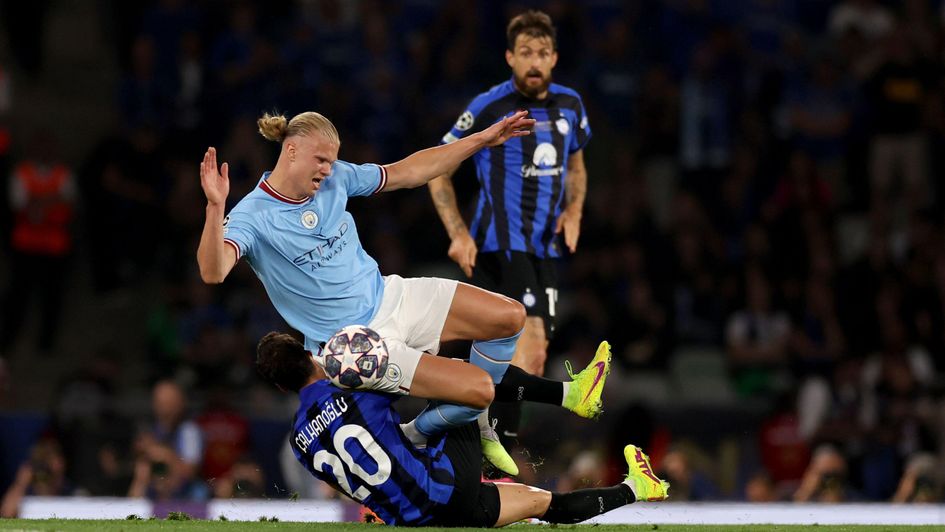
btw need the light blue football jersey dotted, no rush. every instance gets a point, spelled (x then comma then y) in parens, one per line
(307, 252)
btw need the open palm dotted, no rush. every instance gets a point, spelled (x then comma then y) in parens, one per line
(215, 183)
(515, 125)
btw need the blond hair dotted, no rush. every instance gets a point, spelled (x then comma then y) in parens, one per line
(277, 128)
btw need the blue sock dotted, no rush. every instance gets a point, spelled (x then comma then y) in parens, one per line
(494, 356)
(439, 418)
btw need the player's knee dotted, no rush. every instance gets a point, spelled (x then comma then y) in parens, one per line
(511, 319)
(481, 392)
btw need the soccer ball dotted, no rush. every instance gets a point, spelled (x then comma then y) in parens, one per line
(355, 357)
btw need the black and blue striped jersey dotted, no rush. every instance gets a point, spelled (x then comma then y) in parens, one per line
(521, 182)
(352, 440)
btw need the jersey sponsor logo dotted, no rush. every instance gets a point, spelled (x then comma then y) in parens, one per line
(563, 126)
(545, 155)
(309, 219)
(320, 255)
(465, 121)
(449, 137)
(226, 220)
(543, 125)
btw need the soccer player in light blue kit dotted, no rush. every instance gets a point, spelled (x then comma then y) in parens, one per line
(303, 245)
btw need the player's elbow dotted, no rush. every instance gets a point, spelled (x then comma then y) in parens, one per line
(211, 277)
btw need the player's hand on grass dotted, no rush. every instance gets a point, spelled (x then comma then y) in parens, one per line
(515, 125)
(463, 252)
(215, 183)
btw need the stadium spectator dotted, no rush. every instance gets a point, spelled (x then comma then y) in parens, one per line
(826, 478)
(244, 480)
(43, 197)
(169, 452)
(898, 92)
(43, 474)
(689, 483)
(758, 337)
(921, 481)
(760, 488)
(868, 17)
(226, 438)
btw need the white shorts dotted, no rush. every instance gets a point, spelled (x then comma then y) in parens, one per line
(410, 320)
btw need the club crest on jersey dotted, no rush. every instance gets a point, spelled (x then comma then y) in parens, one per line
(393, 373)
(563, 126)
(309, 219)
(466, 121)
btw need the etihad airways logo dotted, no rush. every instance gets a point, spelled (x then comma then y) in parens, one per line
(545, 156)
(319, 256)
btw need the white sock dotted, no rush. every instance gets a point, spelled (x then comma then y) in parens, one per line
(565, 386)
(485, 428)
(632, 489)
(417, 438)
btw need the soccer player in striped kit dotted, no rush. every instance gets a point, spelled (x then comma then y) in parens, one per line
(531, 190)
(352, 440)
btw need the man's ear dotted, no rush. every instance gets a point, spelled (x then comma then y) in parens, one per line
(290, 150)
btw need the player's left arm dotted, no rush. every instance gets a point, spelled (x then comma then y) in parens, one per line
(419, 168)
(575, 189)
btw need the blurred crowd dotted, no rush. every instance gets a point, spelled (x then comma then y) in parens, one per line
(762, 226)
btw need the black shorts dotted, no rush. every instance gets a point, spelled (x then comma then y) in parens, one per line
(474, 503)
(526, 278)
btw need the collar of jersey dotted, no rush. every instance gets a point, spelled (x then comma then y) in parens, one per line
(267, 188)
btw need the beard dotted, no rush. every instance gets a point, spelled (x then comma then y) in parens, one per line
(530, 89)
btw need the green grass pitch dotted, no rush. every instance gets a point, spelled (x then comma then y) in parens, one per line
(225, 526)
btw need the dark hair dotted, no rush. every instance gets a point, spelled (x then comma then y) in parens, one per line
(283, 361)
(532, 23)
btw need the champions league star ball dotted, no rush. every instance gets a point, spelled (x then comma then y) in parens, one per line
(355, 357)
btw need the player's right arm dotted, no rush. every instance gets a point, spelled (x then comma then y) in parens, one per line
(462, 247)
(215, 258)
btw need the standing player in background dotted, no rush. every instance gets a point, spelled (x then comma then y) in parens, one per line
(301, 242)
(352, 440)
(531, 190)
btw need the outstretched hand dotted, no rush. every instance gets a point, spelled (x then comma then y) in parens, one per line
(215, 183)
(515, 125)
